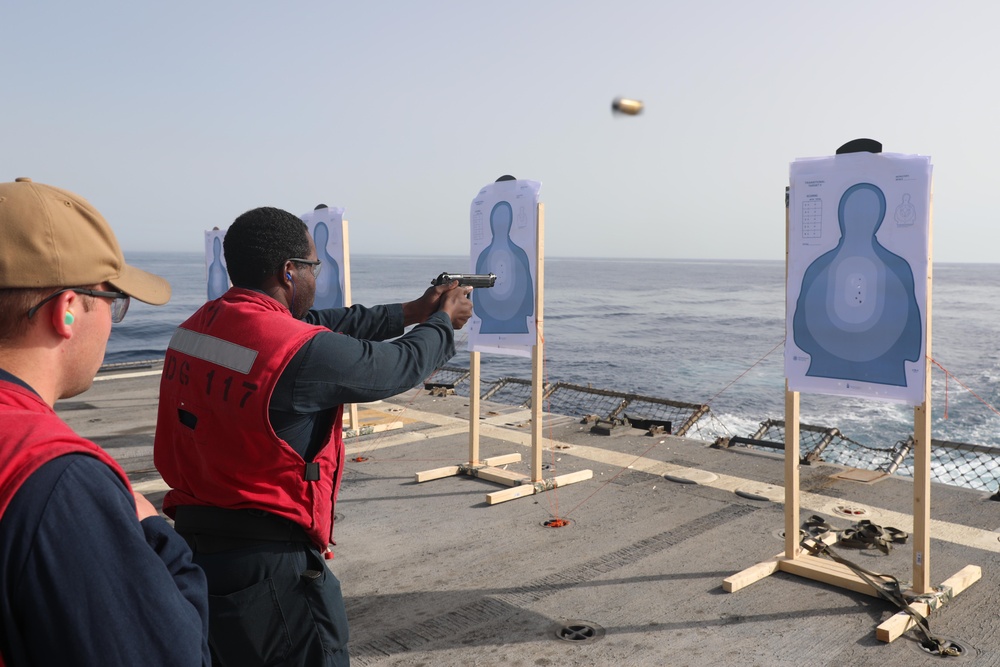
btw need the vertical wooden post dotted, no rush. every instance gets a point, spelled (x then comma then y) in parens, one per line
(791, 473)
(537, 352)
(347, 268)
(791, 435)
(474, 408)
(922, 447)
(352, 408)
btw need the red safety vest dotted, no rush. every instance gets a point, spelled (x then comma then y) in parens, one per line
(214, 442)
(32, 436)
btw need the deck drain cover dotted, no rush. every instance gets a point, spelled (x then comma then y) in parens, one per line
(580, 632)
(851, 510)
(765, 492)
(955, 652)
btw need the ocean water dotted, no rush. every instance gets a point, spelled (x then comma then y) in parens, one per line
(708, 331)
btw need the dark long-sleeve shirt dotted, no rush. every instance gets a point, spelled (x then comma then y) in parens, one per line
(354, 363)
(84, 583)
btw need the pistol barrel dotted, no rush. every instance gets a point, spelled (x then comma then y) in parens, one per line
(467, 279)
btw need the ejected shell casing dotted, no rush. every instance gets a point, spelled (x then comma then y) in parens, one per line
(625, 105)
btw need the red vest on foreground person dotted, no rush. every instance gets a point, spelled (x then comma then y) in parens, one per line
(214, 443)
(32, 436)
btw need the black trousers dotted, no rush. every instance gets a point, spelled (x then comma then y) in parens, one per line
(273, 603)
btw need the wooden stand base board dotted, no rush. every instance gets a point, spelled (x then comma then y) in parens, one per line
(366, 429)
(521, 485)
(925, 604)
(374, 421)
(836, 574)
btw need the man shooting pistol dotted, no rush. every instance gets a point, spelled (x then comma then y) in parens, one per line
(467, 279)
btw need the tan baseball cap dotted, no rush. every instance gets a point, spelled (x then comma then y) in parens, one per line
(53, 238)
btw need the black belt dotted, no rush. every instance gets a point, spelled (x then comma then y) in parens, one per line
(214, 529)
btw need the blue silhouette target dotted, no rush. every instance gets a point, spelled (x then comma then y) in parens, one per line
(506, 306)
(329, 293)
(326, 226)
(503, 225)
(217, 276)
(857, 284)
(857, 313)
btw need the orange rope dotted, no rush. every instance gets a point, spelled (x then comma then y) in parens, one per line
(554, 499)
(612, 478)
(740, 376)
(651, 447)
(948, 374)
(367, 449)
(945, 395)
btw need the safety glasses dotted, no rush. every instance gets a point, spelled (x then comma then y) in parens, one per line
(314, 264)
(119, 301)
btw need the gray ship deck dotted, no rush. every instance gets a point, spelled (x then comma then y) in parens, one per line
(432, 575)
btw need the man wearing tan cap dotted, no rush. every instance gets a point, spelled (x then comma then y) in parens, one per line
(90, 574)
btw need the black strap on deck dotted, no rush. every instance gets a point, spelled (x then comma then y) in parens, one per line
(885, 585)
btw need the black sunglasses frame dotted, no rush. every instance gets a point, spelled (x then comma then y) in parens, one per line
(116, 316)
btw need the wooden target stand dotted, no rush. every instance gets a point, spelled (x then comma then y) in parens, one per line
(368, 421)
(352, 427)
(521, 485)
(922, 598)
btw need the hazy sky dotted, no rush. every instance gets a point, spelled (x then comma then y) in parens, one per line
(174, 117)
